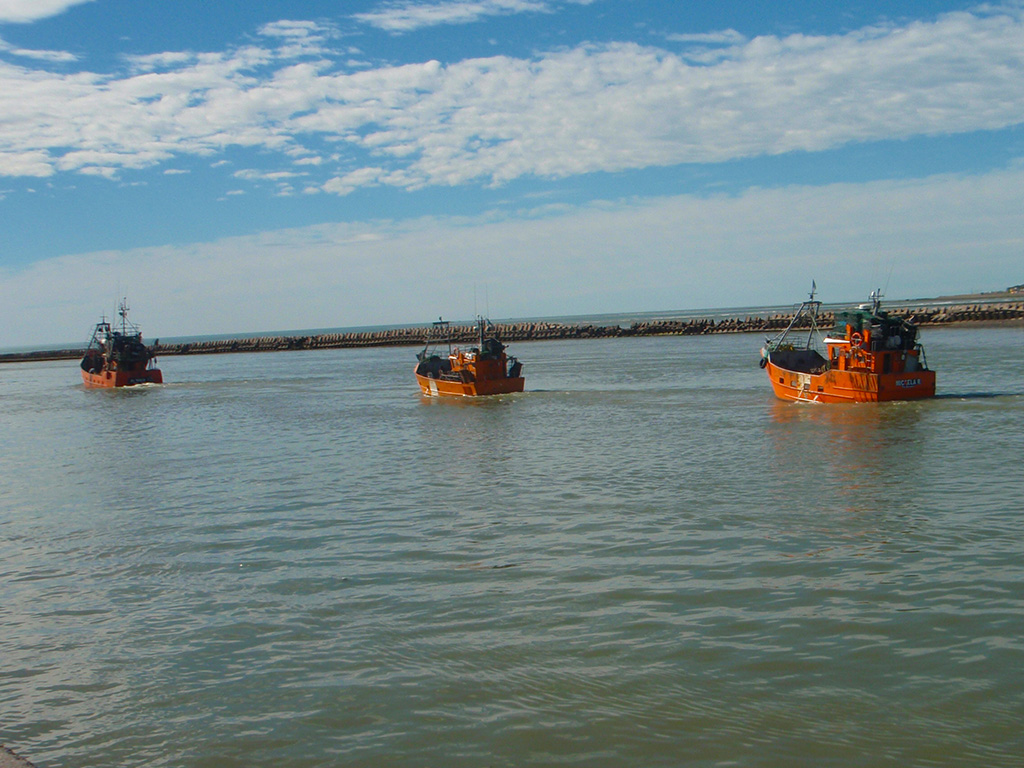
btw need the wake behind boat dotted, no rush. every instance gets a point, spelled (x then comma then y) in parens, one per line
(481, 370)
(118, 357)
(869, 356)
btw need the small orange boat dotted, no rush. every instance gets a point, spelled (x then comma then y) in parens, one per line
(118, 358)
(481, 370)
(869, 356)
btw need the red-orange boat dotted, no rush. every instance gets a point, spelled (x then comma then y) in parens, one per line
(481, 370)
(118, 358)
(869, 356)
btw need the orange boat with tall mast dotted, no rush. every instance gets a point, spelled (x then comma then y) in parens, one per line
(869, 356)
(481, 370)
(117, 357)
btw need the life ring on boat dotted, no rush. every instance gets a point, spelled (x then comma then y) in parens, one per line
(856, 340)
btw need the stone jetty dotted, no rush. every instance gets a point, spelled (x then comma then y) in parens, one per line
(924, 315)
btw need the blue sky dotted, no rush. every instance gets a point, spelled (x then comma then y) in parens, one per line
(237, 167)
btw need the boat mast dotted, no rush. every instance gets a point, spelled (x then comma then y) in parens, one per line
(876, 300)
(479, 332)
(809, 308)
(443, 333)
(126, 324)
(812, 311)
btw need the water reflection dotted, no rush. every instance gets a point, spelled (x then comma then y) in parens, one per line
(470, 440)
(855, 457)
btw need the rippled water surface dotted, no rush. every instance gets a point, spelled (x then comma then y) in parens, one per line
(291, 559)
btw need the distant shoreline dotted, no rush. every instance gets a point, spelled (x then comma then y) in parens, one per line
(985, 309)
(994, 297)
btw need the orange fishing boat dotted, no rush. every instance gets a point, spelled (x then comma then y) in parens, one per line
(117, 357)
(869, 356)
(481, 370)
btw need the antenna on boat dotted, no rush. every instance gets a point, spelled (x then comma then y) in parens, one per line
(481, 327)
(814, 290)
(876, 300)
(122, 311)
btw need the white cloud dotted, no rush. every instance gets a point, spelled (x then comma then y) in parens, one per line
(723, 37)
(681, 252)
(106, 171)
(52, 56)
(295, 30)
(627, 106)
(21, 11)
(36, 164)
(410, 16)
(254, 175)
(575, 111)
(298, 38)
(350, 182)
(156, 61)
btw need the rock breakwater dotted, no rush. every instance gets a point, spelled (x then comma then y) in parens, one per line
(539, 331)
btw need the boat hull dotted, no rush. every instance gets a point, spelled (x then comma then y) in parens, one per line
(480, 388)
(836, 386)
(112, 379)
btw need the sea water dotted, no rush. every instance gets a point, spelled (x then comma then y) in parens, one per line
(293, 559)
